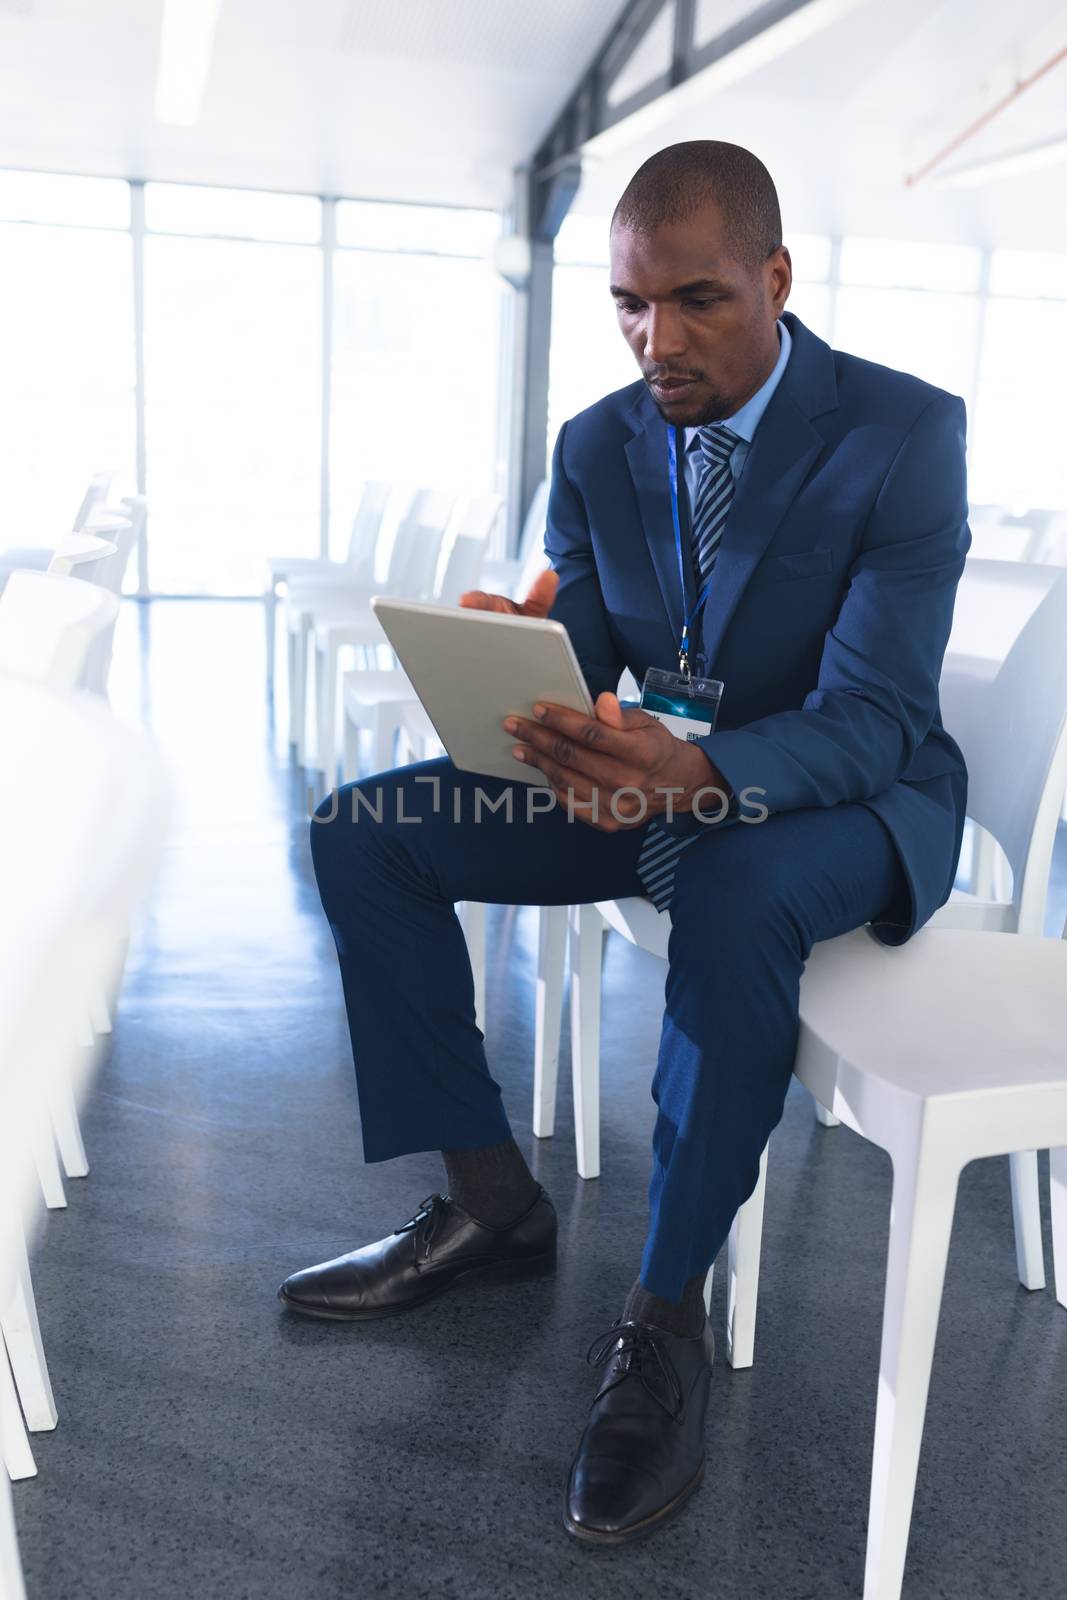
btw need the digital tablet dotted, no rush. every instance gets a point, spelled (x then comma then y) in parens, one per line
(471, 669)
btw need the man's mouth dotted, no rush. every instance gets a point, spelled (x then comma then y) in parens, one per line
(671, 388)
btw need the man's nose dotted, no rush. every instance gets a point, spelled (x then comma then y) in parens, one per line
(664, 335)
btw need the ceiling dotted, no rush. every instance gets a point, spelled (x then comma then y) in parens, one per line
(438, 100)
(433, 100)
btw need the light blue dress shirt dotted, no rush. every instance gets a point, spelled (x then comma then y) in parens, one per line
(743, 422)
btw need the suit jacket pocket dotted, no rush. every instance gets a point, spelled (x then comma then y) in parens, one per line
(802, 564)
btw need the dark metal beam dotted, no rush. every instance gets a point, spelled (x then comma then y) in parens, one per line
(588, 112)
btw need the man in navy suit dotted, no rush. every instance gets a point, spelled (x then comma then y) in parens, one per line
(776, 514)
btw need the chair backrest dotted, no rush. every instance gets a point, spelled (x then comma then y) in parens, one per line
(366, 526)
(465, 546)
(462, 570)
(93, 498)
(1004, 700)
(51, 628)
(413, 560)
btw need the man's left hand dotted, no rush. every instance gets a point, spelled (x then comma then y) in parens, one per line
(588, 761)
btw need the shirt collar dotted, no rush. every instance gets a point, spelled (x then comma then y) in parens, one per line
(745, 421)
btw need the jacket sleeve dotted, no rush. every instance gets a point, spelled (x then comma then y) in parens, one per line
(877, 692)
(579, 602)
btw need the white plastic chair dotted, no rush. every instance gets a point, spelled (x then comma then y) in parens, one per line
(94, 498)
(503, 576)
(357, 567)
(1005, 685)
(344, 622)
(74, 879)
(306, 601)
(374, 526)
(373, 699)
(941, 1051)
(56, 631)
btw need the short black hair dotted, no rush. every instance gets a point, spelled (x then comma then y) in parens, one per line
(677, 181)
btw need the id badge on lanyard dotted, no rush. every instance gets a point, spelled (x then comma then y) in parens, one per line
(688, 706)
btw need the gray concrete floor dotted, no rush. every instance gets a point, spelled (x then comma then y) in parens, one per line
(210, 1445)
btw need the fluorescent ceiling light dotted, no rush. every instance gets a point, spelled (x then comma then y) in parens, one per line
(186, 46)
(1029, 159)
(767, 46)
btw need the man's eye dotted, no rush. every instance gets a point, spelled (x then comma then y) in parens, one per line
(630, 306)
(701, 305)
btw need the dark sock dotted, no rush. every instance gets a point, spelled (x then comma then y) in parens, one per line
(494, 1184)
(684, 1316)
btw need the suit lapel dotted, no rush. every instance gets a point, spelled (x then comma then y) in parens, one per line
(646, 454)
(781, 455)
(782, 452)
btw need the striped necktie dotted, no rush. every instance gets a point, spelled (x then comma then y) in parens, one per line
(665, 841)
(715, 490)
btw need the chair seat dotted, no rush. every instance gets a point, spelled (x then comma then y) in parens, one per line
(638, 920)
(950, 1014)
(362, 689)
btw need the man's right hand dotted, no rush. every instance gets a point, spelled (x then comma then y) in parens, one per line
(538, 602)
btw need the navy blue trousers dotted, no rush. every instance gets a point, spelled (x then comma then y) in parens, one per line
(394, 852)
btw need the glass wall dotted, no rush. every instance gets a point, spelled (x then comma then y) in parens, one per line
(247, 452)
(232, 388)
(66, 346)
(234, 335)
(417, 319)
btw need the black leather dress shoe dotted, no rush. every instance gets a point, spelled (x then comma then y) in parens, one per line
(440, 1246)
(642, 1452)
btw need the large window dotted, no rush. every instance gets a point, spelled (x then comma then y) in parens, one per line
(233, 389)
(588, 357)
(415, 379)
(66, 347)
(235, 334)
(1018, 455)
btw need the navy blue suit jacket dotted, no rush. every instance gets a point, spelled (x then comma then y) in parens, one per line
(832, 599)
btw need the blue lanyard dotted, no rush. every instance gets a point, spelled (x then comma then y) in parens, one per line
(688, 617)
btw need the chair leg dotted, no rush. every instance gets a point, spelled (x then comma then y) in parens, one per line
(551, 964)
(924, 1198)
(1026, 1215)
(22, 1336)
(983, 859)
(350, 750)
(824, 1118)
(384, 738)
(11, 1584)
(99, 1015)
(295, 645)
(14, 1444)
(746, 1241)
(66, 1127)
(586, 955)
(43, 1144)
(1057, 1166)
(270, 608)
(474, 920)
